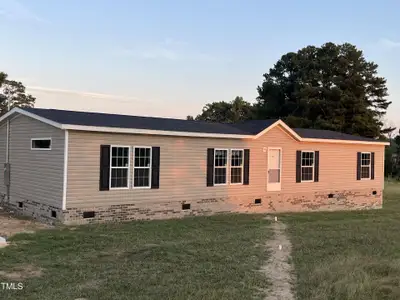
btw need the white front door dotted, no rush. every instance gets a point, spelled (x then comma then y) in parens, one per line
(274, 169)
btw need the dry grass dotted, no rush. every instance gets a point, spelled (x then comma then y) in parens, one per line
(194, 258)
(348, 255)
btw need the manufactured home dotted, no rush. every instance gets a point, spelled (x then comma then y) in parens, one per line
(78, 167)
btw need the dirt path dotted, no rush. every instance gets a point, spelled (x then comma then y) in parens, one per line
(10, 225)
(277, 268)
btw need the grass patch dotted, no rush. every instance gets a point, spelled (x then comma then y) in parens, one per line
(348, 255)
(215, 257)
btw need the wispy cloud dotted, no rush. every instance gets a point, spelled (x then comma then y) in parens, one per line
(389, 44)
(169, 49)
(14, 10)
(83, 94)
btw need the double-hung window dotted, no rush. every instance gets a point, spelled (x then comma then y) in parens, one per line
(307, 165)
(119, 165)
(220, 166)
(365, 165)
(236, 166)
(142, 167)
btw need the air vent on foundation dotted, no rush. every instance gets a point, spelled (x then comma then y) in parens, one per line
(331, 195)
(88, 214)
(53, 214)
(257, 201)
(374, 192)
(185, 206)
(20, 204)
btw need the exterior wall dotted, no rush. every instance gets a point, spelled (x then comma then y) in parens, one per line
(183, 178)
(36, 175)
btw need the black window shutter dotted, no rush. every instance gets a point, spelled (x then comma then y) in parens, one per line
(104, 167)
(316, 166)
(246, 167)
(298, 166)
(372, 165)
(155, 167)
(210, 166)
(358, 165)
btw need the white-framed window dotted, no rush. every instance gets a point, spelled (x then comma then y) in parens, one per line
(41, 144)
(119, 167)
(307, 165)
(220, 166)
(142, 167)
(365, 165)
(236, 166)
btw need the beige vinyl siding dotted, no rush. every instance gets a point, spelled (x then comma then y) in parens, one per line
(3, 138)
(183, 163)
(36, 175)
(337, 163)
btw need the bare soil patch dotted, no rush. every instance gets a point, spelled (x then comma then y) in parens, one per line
(277, 269)
(22, 272)
(11, 224)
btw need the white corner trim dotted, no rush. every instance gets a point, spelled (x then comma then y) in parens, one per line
(153, 132)
(65, 178)
(281, 123)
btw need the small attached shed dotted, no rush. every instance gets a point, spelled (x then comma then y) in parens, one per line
(79, 167)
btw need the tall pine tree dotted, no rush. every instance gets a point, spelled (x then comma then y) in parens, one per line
(329, 87)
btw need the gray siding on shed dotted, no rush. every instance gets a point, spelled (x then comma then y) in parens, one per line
(36, 175)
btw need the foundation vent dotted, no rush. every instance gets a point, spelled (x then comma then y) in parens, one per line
(88, 214)
(185, 206)
(257, 201)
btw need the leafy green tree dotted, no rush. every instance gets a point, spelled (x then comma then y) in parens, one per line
(13, 91)
(227, 112)
(329, 87)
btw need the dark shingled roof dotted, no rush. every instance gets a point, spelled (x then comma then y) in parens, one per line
(330, 135)
(133, 122)
(166, 124)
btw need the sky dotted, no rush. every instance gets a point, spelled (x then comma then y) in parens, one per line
(169, 58)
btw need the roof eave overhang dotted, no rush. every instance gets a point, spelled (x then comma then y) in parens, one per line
(287, 129)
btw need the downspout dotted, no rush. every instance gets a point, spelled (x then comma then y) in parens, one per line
(7, 166)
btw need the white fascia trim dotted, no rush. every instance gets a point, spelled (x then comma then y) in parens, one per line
(281, 123)
(65, 178)
(28, 114)
(181, 133)
(153, 132)
(312, 140)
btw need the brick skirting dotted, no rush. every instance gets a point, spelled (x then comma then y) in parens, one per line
(272, 202)
(267, 203)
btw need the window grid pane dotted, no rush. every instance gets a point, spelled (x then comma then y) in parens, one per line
(306, 173)
(365, 172)
(119, 167)
(220, 166)
(220, 176)
(141, 168)
(236, 175)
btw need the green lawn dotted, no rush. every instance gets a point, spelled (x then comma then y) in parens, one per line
(195, 258)
(348, 255)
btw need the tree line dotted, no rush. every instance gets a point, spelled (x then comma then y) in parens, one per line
(332, 87)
